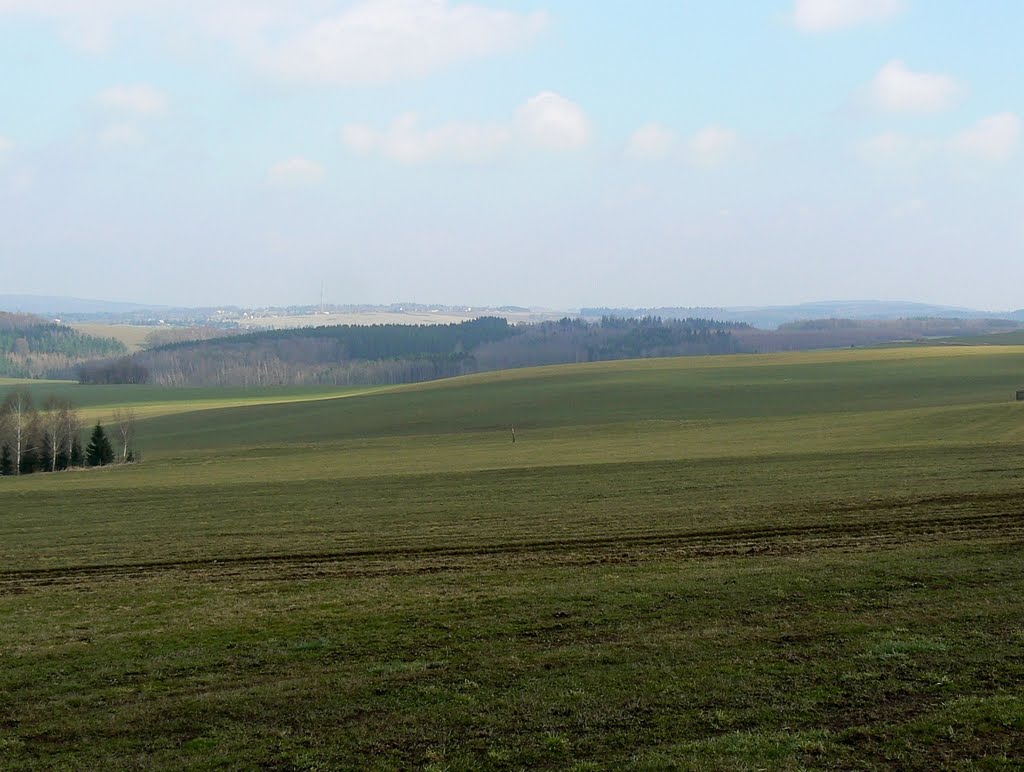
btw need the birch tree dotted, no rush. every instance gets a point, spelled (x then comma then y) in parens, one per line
(125, 421)
(54, 423)
(17, 416)
(71, 429)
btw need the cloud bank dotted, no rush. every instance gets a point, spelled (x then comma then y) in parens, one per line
(139, 99)
(310, 41)
(710, 146)
(388, 40)
(830, 15)
(994, 139)
(896, 88)
(547, 122)
(652, 142)
(295, 173)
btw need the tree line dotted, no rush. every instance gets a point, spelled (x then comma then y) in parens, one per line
(809, 334)
(391, 353)
(48, 439)
(32, 347)
(576, 340)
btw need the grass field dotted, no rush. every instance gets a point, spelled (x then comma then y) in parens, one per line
(134, 336)
(1015, 338)
(97, 403)
(795, 561)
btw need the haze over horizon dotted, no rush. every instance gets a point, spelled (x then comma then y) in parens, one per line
(675, 154)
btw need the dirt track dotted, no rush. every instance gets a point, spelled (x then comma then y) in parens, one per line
(990, 518)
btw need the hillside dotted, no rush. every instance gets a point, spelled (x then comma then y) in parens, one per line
(770, 317)
(692, 393)
(806, 560)
(56, 305)
(394, 353)
(32, 347)
(834, 332)
(388, 354)
(764, 317)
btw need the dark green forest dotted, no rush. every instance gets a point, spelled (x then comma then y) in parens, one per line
(384, 354)
(32, 347)
(393, 353)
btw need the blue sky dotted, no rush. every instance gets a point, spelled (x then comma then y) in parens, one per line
(553, 153)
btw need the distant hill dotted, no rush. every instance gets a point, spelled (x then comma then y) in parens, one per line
(839, 333)
(55, 306)
(33, 347)
(401, 353)
(770, 317)
(764, 317)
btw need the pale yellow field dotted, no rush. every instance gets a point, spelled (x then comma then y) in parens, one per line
(382, 317)
(176, 407)
(132, 336)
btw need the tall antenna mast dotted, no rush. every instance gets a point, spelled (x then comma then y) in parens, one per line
(321, 296)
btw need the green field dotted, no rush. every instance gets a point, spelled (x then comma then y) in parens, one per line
(1015, 338)
(97, 403)
(774, 561)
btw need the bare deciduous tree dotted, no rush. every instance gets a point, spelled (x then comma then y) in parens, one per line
(16, 418)
(125, 422)
(60, 424)
(72, 428)
(53, 427)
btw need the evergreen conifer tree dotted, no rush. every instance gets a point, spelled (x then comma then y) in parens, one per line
(30, 461)
(99, 451)
(6, 462)
(47, 455)
(77, 456)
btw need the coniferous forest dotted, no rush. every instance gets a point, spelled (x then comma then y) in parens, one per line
(394, 353)
(32, 347)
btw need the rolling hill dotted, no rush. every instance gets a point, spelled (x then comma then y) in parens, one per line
(799, 560)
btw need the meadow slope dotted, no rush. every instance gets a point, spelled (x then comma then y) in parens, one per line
(804, 560)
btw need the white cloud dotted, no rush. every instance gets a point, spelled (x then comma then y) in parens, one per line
(406, 142)
(891, 148)
(87, 26)
(899, 89)
(710, 146)
(995, 138)
(6, 145)
(713, 145)
(651, 142)
(362, 139)
(547, 121)
(91, 25)
(295, 172)
(828, 15)
(140, 99)
(326, 41)
(129, 104)
(121, 135)
(552, 121)
(387, 40)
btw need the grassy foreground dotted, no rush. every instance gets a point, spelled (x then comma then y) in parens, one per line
(813, 560)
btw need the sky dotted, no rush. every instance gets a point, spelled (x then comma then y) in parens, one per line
(546, 153)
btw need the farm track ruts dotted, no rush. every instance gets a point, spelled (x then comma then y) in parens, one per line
(624, 548)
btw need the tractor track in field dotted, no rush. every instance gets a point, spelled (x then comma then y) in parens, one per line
(622, 548)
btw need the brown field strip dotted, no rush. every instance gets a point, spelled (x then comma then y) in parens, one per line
(990, 517)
